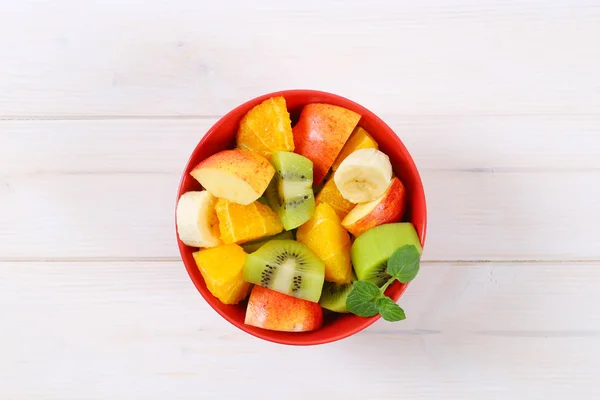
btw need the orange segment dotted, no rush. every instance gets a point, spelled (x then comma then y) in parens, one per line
(239, 223)
(331, 195)
(221, 267)
(325, 235)
(270, 220)
(360, 139)
(266, 128)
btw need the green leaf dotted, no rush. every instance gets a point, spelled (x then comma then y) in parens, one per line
(389, 310)
(362, 300)
(404, 263)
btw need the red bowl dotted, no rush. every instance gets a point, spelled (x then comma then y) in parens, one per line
(222, 136)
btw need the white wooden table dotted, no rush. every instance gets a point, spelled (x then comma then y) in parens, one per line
(101, 103)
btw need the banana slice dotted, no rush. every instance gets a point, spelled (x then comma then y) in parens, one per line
(197, 223)
(364, 175)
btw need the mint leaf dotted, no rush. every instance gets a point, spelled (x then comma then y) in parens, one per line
(362, 300)
(389, 310)
(404, 263)
(367, 300)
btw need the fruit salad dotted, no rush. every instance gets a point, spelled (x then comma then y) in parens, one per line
(300, 220)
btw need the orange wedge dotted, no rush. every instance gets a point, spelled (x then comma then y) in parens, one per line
(221, 267)
(239, 223)
(266, 128)
(331, 195)
(325, 235)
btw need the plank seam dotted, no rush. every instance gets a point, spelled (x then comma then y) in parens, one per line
(217, 116)
(176, 259)
(473, 170)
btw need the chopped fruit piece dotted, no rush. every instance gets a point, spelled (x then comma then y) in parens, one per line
(387, 208)
(236, 175)
(254, 245)
(334, 295)
(364, 175)
(288, 267)
(325, 235)
(359, 139)
(331, 195)
(275, 311)
(197, 223)
(239, 223)
(290, 193)
(266, 128)
(320, 134)
(263, 200)
(221, 267)
(371, 250)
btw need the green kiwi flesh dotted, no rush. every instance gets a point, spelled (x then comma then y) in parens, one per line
(372, 249)
(290, 192)
(334, 295)
(288, 267)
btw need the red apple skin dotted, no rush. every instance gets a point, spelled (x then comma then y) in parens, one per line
(320, 134)
(276, 311)
(390, 208)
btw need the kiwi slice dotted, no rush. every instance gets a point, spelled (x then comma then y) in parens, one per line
(251, 247)
(334, 295)
(288, 267)
(372, 249)
(263, 200)
(290, 192)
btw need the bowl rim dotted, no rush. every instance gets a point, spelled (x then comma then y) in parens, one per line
(367, 321)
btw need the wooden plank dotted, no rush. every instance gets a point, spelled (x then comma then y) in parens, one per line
(89, 215)
(476, 144)
(472, 216)
(66, 58)
(532, 216)
(56, 147)
(140, 330)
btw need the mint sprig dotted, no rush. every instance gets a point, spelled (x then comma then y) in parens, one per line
(367, 300)
(362, 300)
(389, 310)
(404, 263)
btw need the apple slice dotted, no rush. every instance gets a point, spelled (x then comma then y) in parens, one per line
(320, 134)
(197, 223)
(235, 175)
(276, 311)
(387, 208)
